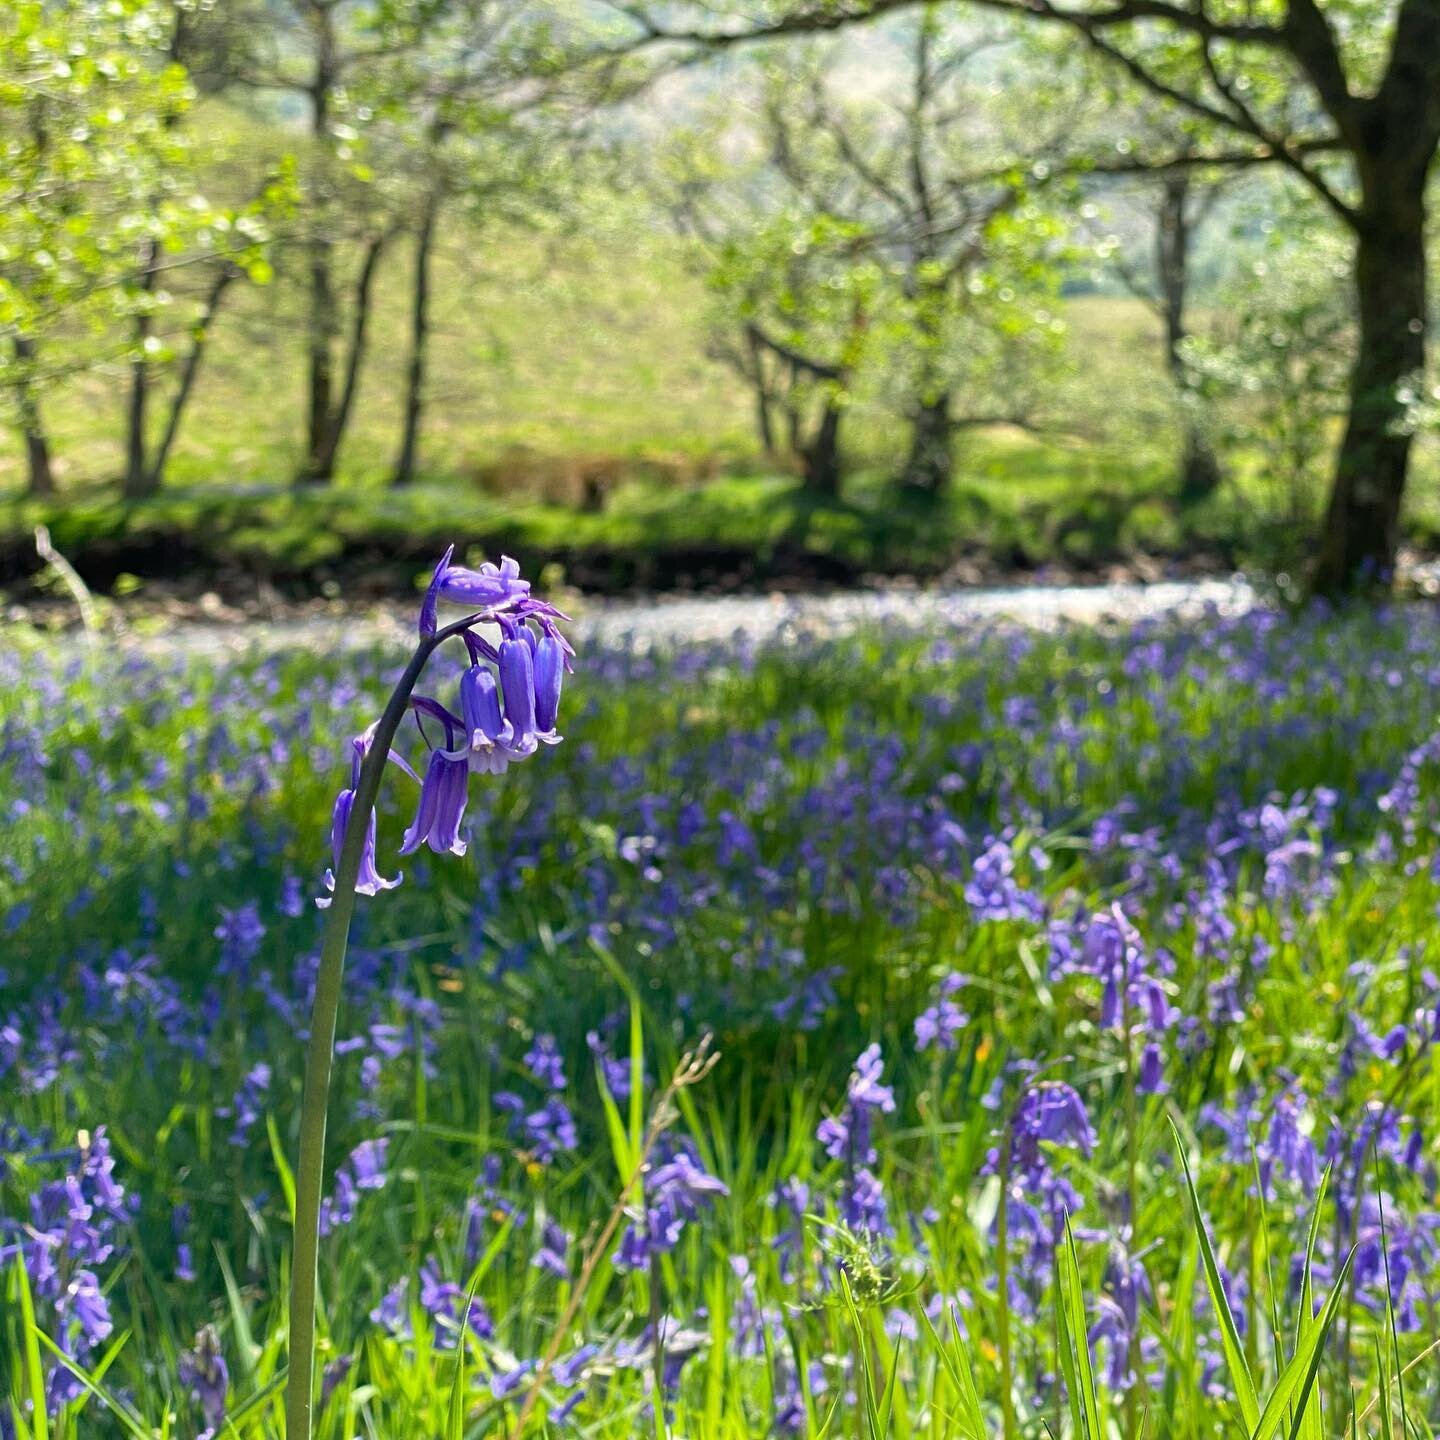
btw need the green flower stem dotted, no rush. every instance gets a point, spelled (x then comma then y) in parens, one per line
(310, 1170)
(1009, 1427)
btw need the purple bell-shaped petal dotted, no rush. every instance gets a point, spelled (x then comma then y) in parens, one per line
(369, 881)
(487, 588)
(443, 794)
(486, 732)
(517, 682)
(549, 678)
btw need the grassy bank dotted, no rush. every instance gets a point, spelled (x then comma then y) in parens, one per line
(729, 532)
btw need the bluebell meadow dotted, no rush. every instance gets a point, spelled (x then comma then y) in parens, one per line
(1003, 938)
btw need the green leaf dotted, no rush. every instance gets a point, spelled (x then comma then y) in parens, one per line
(1235, 1360)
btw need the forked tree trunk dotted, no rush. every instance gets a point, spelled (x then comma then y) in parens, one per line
(39, 473)
(419, 343)
(819, 456)
(325, 445)
(930, 462)
(1362, 522)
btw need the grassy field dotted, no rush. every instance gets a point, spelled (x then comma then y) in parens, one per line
(575, 353)
(989, 929)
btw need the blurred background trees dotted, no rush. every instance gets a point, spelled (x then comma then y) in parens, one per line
(1154, 268)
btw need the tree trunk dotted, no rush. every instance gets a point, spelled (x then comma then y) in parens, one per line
(40, 475)
(319, 463)
(1200, 472)
(136, 485)
(931, 460)
(419, 342)
(320, 468)
(228, 273)
(821, 456)
(1362, 522)
(764, 424)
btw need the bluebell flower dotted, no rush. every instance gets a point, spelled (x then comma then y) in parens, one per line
(940, 1025)
(1052, 1112)
(554, 1244)
(616, 1072)
(369, 880)
(245, 1109)
(675, 1192)
(544, 1062)
(443, 794)
(1151, 1077)
(392, 1314)
(504, 1383)
(444, 1302)
(498, 723)
(363, 1169)
(487, 588)
(550, 1130)
(240, 932)
(204, 1373)
(847, 1135)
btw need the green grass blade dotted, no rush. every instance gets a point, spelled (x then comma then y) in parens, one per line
(962, 1375)
(1235, 1361)
(39, 1419)
(1308, 1355)
(132, 1424)
(1072, 1302)
(872, 1404)
(282, 1166)
(1065, 1344)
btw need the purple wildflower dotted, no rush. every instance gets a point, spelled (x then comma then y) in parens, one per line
(203, 1372)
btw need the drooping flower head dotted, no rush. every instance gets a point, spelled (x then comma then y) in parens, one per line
(509, 703)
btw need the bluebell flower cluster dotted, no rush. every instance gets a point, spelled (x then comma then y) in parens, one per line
(76, 1225)
(509, 699)
(673, 1194)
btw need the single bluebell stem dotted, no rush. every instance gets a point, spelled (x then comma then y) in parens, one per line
(1009, 1428)
(320, 1054)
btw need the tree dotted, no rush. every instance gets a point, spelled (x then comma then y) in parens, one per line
(805, 297)
(916, 187)
(1179, 201)
(231, 246)
(1273, 365)
(329, 53)
(928, 173)
(794, 282)
(1345, 95)
(85, 96)
(182, 232)
(476, 114)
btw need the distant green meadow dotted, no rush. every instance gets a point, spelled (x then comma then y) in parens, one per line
(999, 939)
